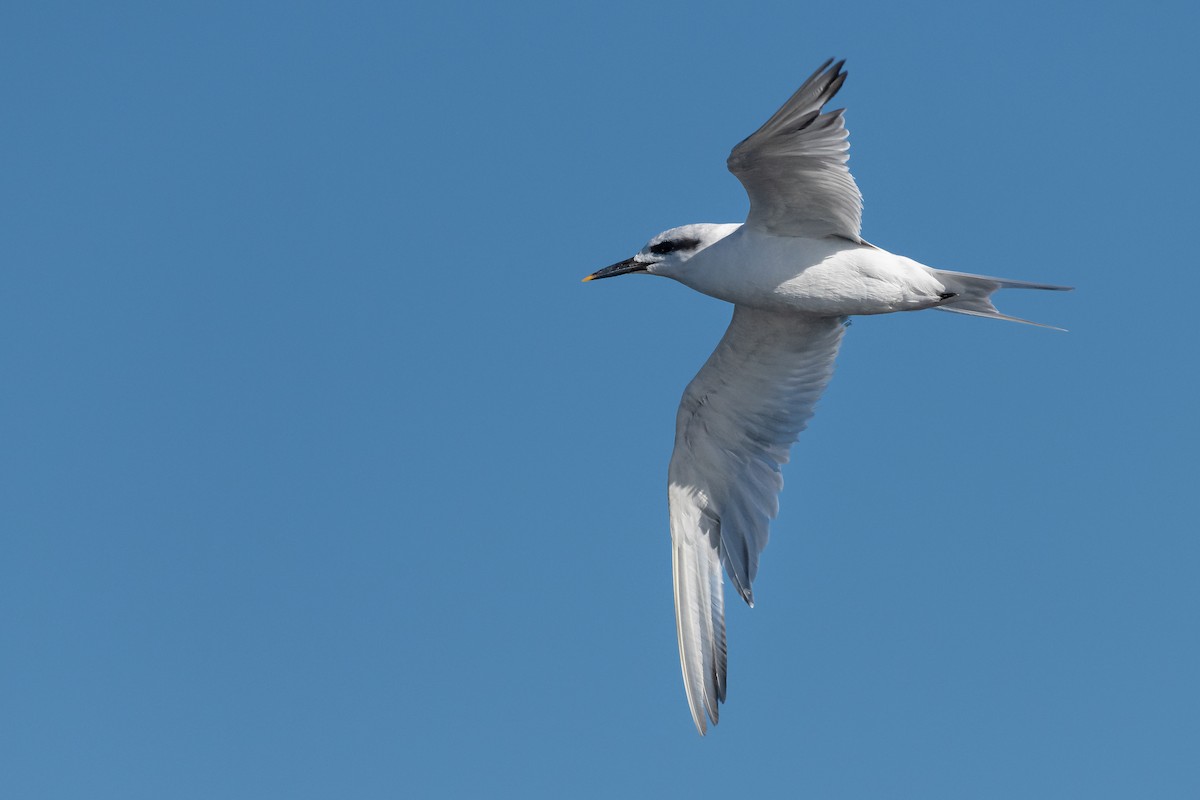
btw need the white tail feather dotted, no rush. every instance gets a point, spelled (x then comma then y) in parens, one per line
(973, 294)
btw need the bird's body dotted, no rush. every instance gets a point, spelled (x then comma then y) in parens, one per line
(825, 277)
(795, 270)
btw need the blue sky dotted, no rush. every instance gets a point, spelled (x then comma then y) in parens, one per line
(323, 476)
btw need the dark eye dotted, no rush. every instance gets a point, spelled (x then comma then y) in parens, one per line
(662, 248)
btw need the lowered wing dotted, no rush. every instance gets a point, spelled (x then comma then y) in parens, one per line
(735, 427)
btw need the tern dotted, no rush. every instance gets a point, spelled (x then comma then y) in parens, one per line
(795, 270)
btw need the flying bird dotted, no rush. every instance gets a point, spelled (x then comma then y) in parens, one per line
(795, 270)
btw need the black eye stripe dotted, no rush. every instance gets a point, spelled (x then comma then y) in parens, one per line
(671, 245)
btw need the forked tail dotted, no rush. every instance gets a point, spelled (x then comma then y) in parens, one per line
(974, 292)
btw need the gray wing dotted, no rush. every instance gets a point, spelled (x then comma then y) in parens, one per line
(736, 424)
(794, 166)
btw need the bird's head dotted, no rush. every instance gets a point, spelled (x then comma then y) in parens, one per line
(666, 253)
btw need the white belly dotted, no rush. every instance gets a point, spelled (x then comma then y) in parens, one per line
(825, 277)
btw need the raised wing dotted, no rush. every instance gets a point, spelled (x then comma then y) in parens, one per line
(794, 166)
(736, 423)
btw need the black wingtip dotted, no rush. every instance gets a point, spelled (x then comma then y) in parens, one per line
(834, 71)
(833, 77)
(838, 73)
(821, 69)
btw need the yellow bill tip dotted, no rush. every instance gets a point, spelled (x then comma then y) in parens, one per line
(588, 278)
